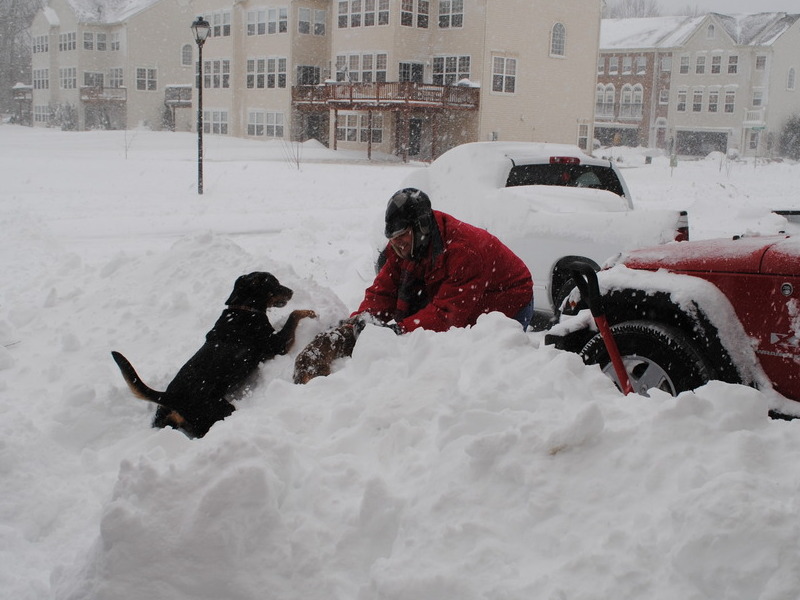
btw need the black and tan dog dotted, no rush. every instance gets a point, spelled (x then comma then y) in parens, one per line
(241, 339)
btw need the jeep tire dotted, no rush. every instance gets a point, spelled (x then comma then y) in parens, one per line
(655, 356)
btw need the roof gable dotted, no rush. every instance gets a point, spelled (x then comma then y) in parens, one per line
(107, 11)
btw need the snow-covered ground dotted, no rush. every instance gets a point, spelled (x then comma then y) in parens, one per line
(475, 464)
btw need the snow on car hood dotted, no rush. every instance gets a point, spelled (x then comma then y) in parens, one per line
(770, 254)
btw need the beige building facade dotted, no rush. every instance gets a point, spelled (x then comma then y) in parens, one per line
(405, 77)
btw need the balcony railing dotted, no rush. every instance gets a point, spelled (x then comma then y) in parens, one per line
(103, 94)
(384, 95)
(754, 117)
(178, 96)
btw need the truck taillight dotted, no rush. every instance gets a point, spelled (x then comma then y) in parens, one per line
(682, 232)
(564, 160)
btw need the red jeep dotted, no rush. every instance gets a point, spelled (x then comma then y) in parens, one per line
(685, 313)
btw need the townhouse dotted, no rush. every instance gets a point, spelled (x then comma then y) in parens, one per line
(712, 83)
(405, 77)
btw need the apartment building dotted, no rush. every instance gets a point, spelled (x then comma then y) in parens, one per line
(697, 85)
(405, 77)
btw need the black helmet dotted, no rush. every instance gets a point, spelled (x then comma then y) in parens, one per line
(411, 207)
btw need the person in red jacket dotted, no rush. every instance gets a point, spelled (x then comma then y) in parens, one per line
(440, 272)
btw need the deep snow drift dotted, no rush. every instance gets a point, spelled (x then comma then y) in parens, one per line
(475, 464)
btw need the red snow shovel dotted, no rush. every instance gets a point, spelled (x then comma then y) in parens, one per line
(586, 280)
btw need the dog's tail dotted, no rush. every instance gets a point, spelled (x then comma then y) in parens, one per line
(136, 385)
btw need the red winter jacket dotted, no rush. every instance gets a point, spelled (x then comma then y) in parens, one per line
(467, 273)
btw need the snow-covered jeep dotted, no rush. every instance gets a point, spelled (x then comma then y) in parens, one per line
(683, 314)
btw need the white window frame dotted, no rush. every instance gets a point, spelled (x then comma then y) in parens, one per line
(700, 64)
(698, 99)
(730, 102)
(713, 101)
(716, 64)
(67, 41)
(791, 79)
(377, 128)
(641, 65)
(215, 121)
(187, 55)
(733, 64)
(450, 69)
(558, 40)
(683, 95)
(68, 78)
(146, 79)
(41, 79)
(451, 14)
(504, 75)
(116, 77)
(347, 127)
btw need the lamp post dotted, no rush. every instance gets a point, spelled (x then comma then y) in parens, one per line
(201, 29)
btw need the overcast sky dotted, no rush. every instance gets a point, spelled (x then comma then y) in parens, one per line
(734, 6)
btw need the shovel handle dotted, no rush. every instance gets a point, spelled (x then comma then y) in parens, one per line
(586, 279)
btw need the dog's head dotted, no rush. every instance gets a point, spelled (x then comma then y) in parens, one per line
(259, 290)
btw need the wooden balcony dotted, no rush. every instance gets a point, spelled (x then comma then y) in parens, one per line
(92, 94)
(385, 96)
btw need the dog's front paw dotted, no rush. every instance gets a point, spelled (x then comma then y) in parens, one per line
(304, 314)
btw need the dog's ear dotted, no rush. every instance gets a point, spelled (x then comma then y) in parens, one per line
(252, 289)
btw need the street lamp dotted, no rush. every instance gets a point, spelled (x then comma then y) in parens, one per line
(201, 29)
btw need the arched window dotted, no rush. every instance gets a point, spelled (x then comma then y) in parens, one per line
(638, 100)
(711, 32)
(609, 97)
(558, 40)
(791, 79)
(186, 55)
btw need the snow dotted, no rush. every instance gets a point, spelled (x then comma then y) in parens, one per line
(473, 464)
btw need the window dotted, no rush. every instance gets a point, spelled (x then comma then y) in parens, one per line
(67, 41)
(700, 65)
(558, 40)
(68, 78)
(276, 72)
(730, 102)
(716, 64)
(255, 122)
(733, 64)
(256, 22)
(41, 79)
(304, 20)
(186, 55)
(102, 42)
(221, 23)
(758, 98)
(641, 65)
(711, 32)
(761, 63)
(601, 65)
(275, 125)
(631, 101)
(627, 65)
(377, 129)
(754, 139)
(613, 65)
(663, 96)
(41, 113)
(791, 79)
(361, 67)
(407, 13)
(256, 73)
(114, 37)
(146, 79)
(278, 20)
(216, 74)
(41, 43)
(583, 136)
(320, 17)
(713, 101)
(604, 100)
(115, 79)
(682, 100)
(666, 64)
(504, 74)
(347, 128)
(449, 70)
(451, 13)
(697, 100)
(685, 60)
(344, 11)
(215, 121)
(91, 79)
(88, 41)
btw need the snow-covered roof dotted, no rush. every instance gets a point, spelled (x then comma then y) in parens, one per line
(670, 32)
(651, 32)
(51, 16)
(760, 29)
(108, 11)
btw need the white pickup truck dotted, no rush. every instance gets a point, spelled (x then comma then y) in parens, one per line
(550, 203)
